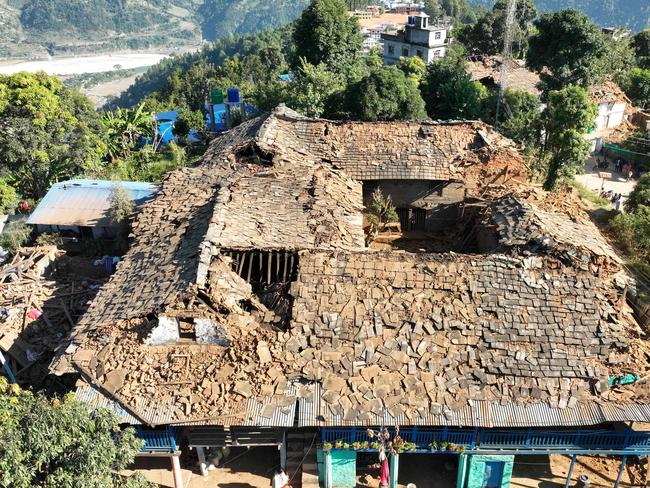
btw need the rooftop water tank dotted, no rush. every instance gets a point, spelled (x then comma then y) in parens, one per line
(233, 95)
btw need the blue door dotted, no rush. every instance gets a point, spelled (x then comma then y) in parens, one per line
(493, 474)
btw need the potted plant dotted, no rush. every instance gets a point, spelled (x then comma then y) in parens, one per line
(410, 446)
(375, 445)
(356, 445)
(346, 445)
(452, 447)
(327, 446)
(443, 445)
(461, 450)
(338, 444)
(433, 447)
(365, 445)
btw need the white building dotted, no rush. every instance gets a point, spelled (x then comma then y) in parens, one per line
(420, 38)
(612, 104)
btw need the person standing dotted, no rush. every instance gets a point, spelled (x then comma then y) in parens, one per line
(618, 202)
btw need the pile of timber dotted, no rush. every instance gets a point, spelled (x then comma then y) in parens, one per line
(37, 309)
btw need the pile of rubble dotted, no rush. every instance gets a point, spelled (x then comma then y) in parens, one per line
(40, 302)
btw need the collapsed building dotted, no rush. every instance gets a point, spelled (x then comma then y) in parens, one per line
(250, 305)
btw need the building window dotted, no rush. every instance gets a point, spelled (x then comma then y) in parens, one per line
(438, 35)
(405, 52)
(420, 54)
(391, 49)
(436, 54)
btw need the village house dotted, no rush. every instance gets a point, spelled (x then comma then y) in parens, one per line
(487, 70)
(252, 311)
(419, 37)
(82, 208)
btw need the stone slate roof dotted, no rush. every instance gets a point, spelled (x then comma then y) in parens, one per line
(521, 224)
(398, 332)
(428, 333)
(519, 77)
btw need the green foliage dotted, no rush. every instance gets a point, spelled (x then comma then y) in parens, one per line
(122, 205)
(461, 11)
(449, 92)
(48, 132)
(61, 443)
(188, 120)
(522, 121)
(381, 211)
(15, 235)
(414, 68)
(486, 36)
(633, 232)
(220, 18)
(568, 49)
(326, 33)
(385, 94)
(641, 45)
(587, 194)
(619, 57)
(636, 84)
(640, 195)
(569, 115)
(9, 198)
(124, 128)
(313, 89)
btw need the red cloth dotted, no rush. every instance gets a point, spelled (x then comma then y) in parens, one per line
(385, 474)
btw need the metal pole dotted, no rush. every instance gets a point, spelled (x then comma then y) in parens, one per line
(5, 365)
(283, 450)
(568, 477)
(620, 471)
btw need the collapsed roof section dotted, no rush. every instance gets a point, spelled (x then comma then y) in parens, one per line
(181, 334)
(521, 224)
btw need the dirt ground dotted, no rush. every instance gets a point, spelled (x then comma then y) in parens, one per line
(99, 94)
(618, 183)
(253, 469)
(551, 471)
(245, 468)
(396, 18)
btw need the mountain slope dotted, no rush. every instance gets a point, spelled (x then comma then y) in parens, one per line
(34, 28)
(634, 14)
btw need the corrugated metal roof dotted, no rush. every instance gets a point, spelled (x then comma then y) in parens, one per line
(246, 413)
(314, 412)
(85, 202)
(96, 400)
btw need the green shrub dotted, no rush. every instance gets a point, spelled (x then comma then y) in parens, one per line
(15, 235)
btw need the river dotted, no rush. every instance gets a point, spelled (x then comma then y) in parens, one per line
(83, 64)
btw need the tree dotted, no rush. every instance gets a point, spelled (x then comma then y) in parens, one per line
(381, 211)
(633, 228)
(522, 120)
(385, 94)
(640, 195)
(313, 89)
(15, 235)
(568, 49)
(9, 198)
(636, 85)
(449, 92)
(620, 56)
(60, 442)
(569, 115)
(641, 46)
(414, 68)
(486, 36)
(326, 33)
(188, 120)
(124, 128)
(47, 132)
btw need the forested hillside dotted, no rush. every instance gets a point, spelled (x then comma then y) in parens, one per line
(634, 14)
(40, 27)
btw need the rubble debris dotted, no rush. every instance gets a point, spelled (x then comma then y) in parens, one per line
(380, 331)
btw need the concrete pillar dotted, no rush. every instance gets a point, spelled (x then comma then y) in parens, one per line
(176, 470)
(394, 470)
(462, 470)
(328, 469)
(570, 473)
(202, 464)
